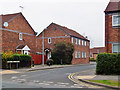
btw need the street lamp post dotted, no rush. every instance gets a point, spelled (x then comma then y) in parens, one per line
(43, 49)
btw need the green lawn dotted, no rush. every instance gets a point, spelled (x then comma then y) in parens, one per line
(108, 82)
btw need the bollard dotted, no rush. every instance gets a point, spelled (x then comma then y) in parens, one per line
(33, 62)
(49, 64)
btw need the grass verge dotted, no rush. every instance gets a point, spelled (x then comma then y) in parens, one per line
(108, 82)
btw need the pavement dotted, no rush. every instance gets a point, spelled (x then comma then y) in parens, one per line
(37, 67)
(85, 76)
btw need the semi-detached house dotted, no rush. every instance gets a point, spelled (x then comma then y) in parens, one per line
(17, 35)
(56, 33)
(112, 27)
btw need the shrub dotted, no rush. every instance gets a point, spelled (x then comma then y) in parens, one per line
(92, 59)
(5, 56)
(108, 64)
(49, 62)
(62, 53)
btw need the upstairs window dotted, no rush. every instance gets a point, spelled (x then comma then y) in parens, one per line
(85, 43)
(75, 40)
(49, 40)
(82, 42)
(20, 36)
(116, 20)
(54, 28)
(72, 39)
(79, 41)
(116, 48)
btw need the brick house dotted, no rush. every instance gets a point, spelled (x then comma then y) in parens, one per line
(95, 51)
(16, 34)
(56, 33)
(112, 27)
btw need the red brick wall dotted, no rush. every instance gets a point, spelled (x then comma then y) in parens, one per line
(50, 32)
(10, 40)
(81, 49)
(111, 34)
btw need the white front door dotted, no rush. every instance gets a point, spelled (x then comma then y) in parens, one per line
(26, 52)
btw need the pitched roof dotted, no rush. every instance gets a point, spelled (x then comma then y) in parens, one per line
(10, 17)
(7, 17)
(113, 6)
(95, 50)
(68, 31)
(20, 47)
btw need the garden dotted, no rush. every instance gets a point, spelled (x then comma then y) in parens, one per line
(24, 60)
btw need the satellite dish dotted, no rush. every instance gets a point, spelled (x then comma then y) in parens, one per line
(5, 24)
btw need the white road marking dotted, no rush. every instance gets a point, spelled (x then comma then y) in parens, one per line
(21, 80)
(36, 81)
(41, 83)
(14, 77)
(76, 85)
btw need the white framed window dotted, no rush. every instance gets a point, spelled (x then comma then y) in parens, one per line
(79, 41)
(116, 48)
(75, 40)
(79, 54)
(72, 39)
(82, 55)
(116, 20)
(49, 40)
(20, 36)
(76, 54)
(85, 54)
(85, 43)
(82, 42)
(88, 43)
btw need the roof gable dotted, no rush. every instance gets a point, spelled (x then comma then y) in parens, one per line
(97, 50)
(22, 47)
(9, 17)
(113, 7)
(68, 31)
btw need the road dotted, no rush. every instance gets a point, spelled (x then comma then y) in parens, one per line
(52, 78)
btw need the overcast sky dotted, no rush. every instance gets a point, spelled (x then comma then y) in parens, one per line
(84, 16)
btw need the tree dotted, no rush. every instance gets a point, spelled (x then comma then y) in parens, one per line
(62, 53)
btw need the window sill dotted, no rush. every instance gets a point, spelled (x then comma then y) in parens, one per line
(115, 27)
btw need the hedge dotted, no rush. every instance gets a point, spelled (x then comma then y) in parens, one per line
(25, 60)
(108, 64)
